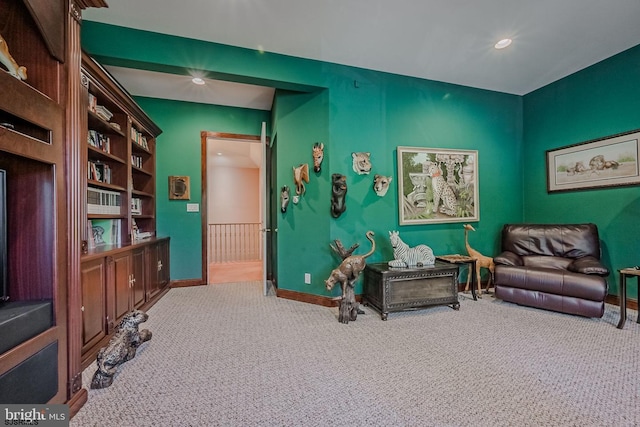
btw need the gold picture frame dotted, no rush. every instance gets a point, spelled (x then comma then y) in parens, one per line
(179, 187)
(437, 185)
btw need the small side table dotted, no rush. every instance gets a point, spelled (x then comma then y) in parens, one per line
(624, 273)
(462, 259)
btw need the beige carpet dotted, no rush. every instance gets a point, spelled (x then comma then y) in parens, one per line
(225, 355)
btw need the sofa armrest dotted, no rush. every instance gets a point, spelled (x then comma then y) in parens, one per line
(588, 265)
(508, 258)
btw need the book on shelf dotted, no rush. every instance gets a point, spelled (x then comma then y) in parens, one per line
(136, 161)
(136, 206)
(98, 140)
(106, 232)
(99, 171)
(139, 139)
(93, 103)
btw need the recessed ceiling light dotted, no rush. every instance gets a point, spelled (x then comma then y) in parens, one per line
(503, 43)
(219, 154)
(197, 80)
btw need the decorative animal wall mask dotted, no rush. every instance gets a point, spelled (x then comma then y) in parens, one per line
(318, 156)
(338, 193)
(361, 163)
(381, 184)
(284, 198)
(300, 176)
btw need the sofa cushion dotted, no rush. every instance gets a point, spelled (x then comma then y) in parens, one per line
(564, 240)
(552, 281)
(542, 261)
(508, 258)
(561, 303)
(588, 265)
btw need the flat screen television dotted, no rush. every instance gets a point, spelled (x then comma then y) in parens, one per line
(4, 286)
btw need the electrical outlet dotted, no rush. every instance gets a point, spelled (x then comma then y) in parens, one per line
(307, 278)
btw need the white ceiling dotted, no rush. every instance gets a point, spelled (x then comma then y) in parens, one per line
(234, 153)
(443, 40)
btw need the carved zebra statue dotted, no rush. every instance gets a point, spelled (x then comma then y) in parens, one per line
(405, 256)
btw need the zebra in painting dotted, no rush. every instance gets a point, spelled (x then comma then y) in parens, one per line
(404, 256)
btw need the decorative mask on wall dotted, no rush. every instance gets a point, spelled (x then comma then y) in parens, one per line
(284, 198)
(300, 176)
(361, 163)
(381, 184)
(318, 156)
(338, 193)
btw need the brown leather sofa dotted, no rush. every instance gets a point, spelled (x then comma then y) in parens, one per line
(552, 266)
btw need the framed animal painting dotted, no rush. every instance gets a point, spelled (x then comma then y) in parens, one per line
(437, 185)
(604, 162)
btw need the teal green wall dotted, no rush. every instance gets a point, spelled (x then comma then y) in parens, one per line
(178, 153)
(596, 102)
(349, 109)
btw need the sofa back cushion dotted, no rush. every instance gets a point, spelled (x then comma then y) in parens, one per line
(560, 240)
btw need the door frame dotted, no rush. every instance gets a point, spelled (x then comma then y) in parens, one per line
(204, 136)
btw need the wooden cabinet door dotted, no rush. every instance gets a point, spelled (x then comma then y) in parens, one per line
(94, 316)
(138, 276)
(158, 267)
(152, 283)
(122, 284)
(163, 264)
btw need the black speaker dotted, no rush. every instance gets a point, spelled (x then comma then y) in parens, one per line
(21, 320)
(34, 381)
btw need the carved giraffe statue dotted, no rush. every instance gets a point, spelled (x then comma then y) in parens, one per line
(482, 261)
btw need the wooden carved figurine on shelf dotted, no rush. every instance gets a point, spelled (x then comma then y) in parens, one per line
(338, 193)
(405, 256)
(7, 60)
(300, 176)
(482, 261)
(318, 156)
(346, 274)
(361, 163)
(381, 184)
(121, 348)
(284, 198)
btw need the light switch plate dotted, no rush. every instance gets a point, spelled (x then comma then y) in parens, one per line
(193, 207)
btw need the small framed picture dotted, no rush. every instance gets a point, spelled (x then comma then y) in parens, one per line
(179, 188)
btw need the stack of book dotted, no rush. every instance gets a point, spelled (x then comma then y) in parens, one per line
(103, 112)
(101, 201)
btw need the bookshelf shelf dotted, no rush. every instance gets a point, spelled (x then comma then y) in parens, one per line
(100, 184)
(98, 154)
(102, 125)
(140, 170)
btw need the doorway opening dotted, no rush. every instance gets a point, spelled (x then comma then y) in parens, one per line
(234, 213)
